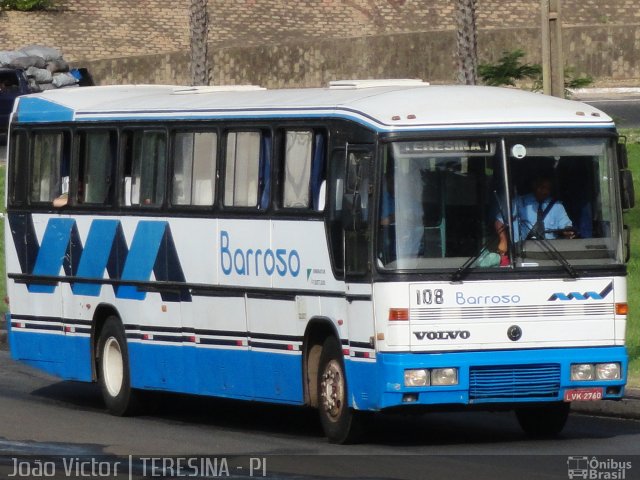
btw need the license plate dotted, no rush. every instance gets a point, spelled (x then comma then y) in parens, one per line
(583, 394)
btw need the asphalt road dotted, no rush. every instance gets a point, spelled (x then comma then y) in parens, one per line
(40, 415)
(624, 109)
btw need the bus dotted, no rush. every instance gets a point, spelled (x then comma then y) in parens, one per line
(358, 248)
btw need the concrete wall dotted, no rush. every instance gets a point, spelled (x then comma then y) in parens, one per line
(308, 42)
(611, 54)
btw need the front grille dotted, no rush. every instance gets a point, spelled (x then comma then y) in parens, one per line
(514, 382)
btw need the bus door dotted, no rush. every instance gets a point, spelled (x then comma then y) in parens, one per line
(357, 209)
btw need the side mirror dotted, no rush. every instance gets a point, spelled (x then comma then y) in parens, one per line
(627, 243)
(623, 157)
(627, 191)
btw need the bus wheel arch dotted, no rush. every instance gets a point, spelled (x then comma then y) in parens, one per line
(112, 367)
(103, 311)
(341, 423)
(317, 331)
(325, 382)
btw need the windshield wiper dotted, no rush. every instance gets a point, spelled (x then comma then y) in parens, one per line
(469, 262)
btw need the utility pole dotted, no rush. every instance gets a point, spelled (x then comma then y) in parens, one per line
(552, 57)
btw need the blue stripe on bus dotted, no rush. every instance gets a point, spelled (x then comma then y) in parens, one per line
(65, 356)
(52, 253)
(240, 374)
(152, 250)
(95, 255)
(217, 372)
(276, 377)
(142, 257)
(39, 110)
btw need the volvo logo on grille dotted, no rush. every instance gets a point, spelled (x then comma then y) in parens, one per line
(514, 333)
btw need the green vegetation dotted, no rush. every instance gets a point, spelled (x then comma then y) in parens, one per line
(632, 219)
(509, 69)
(26, 5)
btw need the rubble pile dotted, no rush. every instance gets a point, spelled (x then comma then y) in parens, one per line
(44, 66)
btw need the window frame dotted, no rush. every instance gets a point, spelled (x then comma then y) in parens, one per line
(217, 180)
(24, 175)
(76, 169)
(121, 191)
(315, 131)
(67, 143)
(265, 131)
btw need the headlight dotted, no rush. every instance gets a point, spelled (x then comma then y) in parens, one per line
(608, 371)
(598, 371)
(416, 378)
(444, 376)
(583, 371)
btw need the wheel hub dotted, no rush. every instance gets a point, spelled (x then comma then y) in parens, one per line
(332, 389)
(112, 366)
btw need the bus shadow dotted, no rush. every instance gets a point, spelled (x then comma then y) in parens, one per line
(425, 429)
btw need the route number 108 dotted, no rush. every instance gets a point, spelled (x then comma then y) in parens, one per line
(427, 296)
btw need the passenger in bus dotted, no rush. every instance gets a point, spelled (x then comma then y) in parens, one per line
(535, 215)
(62, 199)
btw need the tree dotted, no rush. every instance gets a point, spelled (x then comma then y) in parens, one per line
(199, 26)
(467, 41)
(508, 69)
(26, 5)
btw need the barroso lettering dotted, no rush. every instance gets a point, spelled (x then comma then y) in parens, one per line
(461, 299)
(257, 262)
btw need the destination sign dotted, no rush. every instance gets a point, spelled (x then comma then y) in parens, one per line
(444, 146)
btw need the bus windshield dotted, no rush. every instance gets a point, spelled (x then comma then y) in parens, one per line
(443, 204)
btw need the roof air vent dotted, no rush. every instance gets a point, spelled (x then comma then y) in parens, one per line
(215, 89)
(382, 82)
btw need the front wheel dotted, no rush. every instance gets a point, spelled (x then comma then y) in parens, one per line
(544, 420)
(340, 423)
(113, 369)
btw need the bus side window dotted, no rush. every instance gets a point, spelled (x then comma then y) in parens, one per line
(194, 168)
(145, 161)
(303, 170)
(18, 168)
(297, 169)
(49, 167)
(96, 151)
(242, 169)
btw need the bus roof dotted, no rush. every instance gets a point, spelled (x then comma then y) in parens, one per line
(385, 108)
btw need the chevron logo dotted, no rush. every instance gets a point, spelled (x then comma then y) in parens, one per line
(582, 296)
(152, 250)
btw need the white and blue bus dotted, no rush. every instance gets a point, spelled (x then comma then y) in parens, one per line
(344, 248)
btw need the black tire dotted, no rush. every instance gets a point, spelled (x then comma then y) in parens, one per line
(340, 423)
(544, 420)
(112, 359)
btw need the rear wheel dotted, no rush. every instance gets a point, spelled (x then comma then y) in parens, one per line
(544, 420)
(341, 424)
(113, 369)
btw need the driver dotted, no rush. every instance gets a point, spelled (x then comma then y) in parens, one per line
(536, 215)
